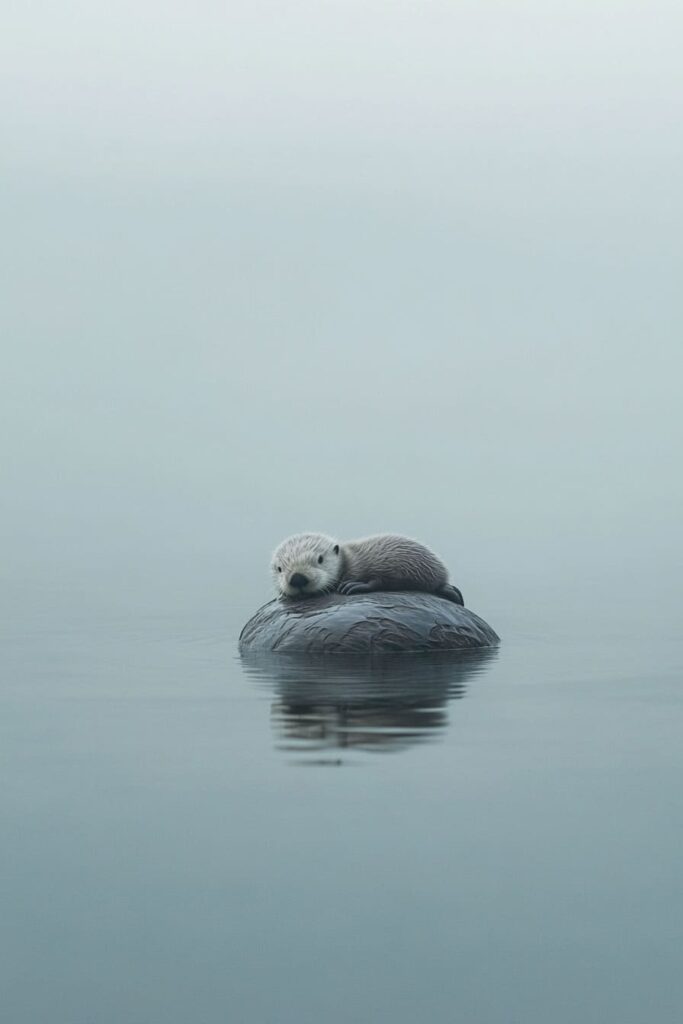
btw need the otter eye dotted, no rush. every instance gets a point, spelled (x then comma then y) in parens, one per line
(320, 559)
(279, 568)
(336, 549)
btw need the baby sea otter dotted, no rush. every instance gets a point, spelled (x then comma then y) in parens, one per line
(311, 563)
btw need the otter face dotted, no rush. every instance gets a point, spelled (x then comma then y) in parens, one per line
(308, 563)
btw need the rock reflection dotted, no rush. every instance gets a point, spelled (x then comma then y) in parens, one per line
(325, 706)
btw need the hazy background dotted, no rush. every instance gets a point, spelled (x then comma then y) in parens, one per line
(348, 267)
(342, 266)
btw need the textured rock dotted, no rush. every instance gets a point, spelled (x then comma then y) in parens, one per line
(372, 623)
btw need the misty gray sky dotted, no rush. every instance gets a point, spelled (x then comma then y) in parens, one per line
(347, 267)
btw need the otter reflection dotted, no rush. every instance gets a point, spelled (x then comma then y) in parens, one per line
(328, 705)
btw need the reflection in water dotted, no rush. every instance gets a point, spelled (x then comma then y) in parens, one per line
(326, 705)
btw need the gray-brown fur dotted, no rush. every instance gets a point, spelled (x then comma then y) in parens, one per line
(312, 563)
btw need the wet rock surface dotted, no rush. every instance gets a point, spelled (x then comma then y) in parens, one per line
(365, 624)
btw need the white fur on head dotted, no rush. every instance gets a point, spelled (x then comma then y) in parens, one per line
(312, 555)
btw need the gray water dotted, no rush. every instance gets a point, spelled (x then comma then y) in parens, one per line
(488, 838)
(351, 268)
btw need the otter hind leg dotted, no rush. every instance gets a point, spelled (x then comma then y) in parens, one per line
(451, 593)
(356, 587)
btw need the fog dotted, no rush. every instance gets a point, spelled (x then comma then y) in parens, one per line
(345, 267)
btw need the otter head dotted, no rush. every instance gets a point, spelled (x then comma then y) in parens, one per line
(309, 563)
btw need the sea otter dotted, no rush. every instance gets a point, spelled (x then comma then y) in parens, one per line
(312, 563)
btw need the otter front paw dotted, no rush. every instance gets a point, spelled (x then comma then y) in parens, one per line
(354, 587)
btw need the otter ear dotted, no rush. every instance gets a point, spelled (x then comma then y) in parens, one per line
(336, 549)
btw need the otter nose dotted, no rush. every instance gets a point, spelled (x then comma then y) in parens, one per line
(298, 580)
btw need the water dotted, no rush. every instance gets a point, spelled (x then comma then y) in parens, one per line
(351, 268)
(488, 838)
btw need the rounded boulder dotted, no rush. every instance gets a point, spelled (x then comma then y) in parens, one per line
(374, 623)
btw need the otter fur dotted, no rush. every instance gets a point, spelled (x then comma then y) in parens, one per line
(312, 563)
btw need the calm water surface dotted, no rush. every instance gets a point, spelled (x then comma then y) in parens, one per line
(351, 268)
(489, 838)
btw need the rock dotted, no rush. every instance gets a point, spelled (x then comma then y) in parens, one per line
(374, 623)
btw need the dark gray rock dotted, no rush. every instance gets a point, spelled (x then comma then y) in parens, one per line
(374, 623)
